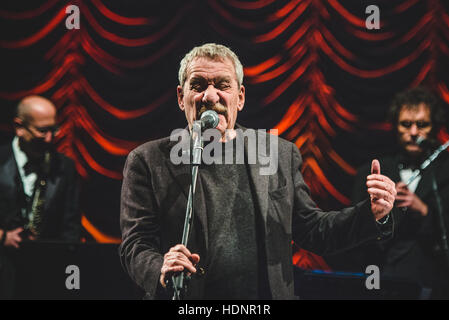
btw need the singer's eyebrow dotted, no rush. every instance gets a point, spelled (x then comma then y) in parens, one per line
(223, 79)
(218, 79)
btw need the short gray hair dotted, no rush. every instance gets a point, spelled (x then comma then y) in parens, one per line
(212, 51)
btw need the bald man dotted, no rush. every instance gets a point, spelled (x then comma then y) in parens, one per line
(38, 187)
(35, 125)
(28, 164)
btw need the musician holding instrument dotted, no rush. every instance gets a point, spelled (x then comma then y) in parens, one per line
(415, 252)
(38, 186)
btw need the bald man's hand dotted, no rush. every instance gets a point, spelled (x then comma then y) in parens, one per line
(382, 191)
(13, 238)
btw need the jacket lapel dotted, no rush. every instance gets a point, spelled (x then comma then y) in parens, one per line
(259, 182)
(51, 189)
(181, 174)
(391, 169)
(10, 173)
(12, 187)
(424, 185)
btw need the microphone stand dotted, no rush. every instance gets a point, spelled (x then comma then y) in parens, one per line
(440, 219)
(428, 161)
(439, 208)
(196, 143)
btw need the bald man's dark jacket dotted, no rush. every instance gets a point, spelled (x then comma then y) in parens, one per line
(61, 210)
(153, 203)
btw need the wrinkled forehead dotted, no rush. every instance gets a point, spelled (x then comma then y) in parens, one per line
(218, 66)
(415, 112)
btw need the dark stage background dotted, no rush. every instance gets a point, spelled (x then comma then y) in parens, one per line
(313, 71)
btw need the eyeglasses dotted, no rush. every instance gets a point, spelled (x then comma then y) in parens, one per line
(420, 124)
(42, 131)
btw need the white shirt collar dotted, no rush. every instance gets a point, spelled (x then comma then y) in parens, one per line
(406, 174)
(21, 160)
(21, 157)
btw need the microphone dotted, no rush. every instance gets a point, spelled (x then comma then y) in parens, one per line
(209, 119)
(424, 143)
(420, 141)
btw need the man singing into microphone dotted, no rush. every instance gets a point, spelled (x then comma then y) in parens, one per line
(244, 221)
(414, 251)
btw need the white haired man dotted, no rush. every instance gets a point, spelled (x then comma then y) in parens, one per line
(244, 222)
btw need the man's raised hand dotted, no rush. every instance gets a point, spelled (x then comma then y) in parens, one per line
(382, 191)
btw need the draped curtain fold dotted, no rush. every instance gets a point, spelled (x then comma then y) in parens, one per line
(312, 70)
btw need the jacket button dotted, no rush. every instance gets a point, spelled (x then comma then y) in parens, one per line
(201, 272)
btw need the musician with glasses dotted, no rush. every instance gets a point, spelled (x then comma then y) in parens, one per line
(38, 186)
(414, 253)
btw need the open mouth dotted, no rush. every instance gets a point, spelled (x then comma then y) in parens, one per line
(218, 108)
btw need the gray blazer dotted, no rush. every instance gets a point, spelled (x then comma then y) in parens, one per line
(153, 202)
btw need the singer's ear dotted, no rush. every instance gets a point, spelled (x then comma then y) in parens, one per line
(180, 94)
(241, 98)
(18, 122)
(18, 126)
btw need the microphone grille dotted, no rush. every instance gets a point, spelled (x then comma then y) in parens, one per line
(420, 140)
(210, 119)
